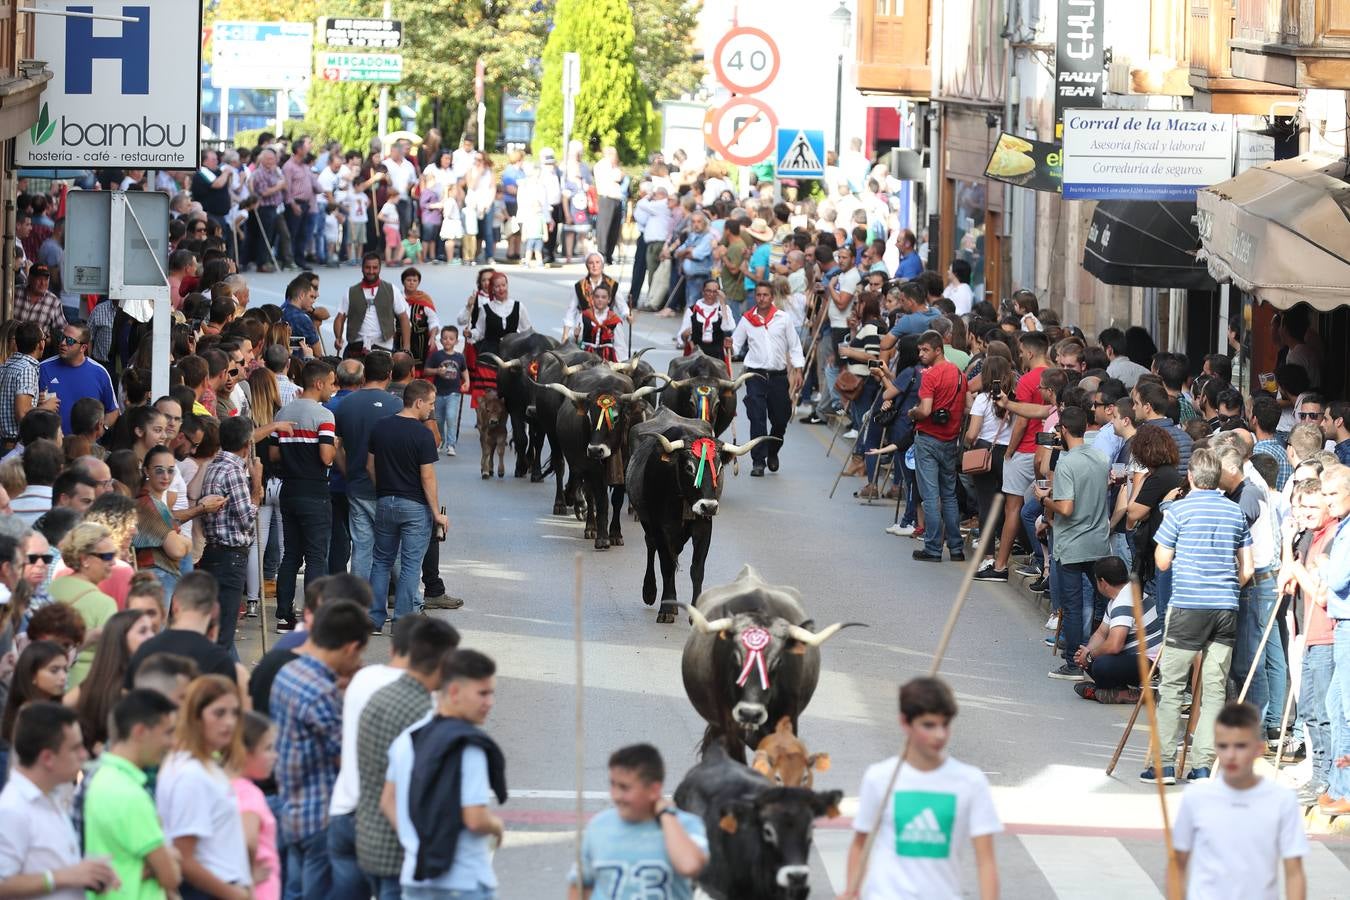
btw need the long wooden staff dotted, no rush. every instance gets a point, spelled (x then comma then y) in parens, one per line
(986, 536)
(578, 638)
(1174, 885)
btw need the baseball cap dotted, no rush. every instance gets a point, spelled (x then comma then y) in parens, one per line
(39, 272)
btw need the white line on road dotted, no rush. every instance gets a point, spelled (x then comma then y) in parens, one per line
(1074, 868)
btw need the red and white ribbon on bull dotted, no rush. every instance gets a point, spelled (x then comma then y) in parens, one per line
(755, 640)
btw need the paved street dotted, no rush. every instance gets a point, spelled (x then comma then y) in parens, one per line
(1043, 748)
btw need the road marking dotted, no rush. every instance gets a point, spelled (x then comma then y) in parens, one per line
(1074, 868)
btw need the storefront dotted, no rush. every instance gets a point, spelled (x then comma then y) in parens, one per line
(971, 205)
(1280, 235)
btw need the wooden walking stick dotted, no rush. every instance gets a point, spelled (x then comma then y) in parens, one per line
(578, 638)
(1174, 882)
(1260, 651)
(735, 460)
(967, 580)
(1284, 723)
(1138, 704)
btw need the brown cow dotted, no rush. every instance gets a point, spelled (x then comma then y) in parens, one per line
(782, 758)
(492, 433)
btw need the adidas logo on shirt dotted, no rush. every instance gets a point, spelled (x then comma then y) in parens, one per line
(924, 829)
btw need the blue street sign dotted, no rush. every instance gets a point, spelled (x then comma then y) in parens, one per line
(801, 153)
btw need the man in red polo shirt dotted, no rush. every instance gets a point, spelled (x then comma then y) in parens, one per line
(942, 402)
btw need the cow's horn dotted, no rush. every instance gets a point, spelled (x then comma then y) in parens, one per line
(567, 392)
(736, 385)
(500, 363)
(572, 370)
(703, 626)
(816, 638)
(746, 448)
(639, 393)
(667, 445)
(683, 382)
(629, 364)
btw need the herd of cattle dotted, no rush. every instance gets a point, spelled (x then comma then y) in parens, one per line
(752, 659)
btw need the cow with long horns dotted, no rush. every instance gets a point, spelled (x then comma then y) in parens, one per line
(555, 367)
(517, 361)
(674, 482)
(593, 433)
(699, 389)
(752, 658)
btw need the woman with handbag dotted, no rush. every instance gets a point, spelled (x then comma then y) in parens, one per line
(988, 434)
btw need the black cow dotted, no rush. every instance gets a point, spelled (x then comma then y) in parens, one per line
(759, 835)
(699, 389)
(752, 658)
(517, 359)
(641, 371)
(593, 434)
(554, 368)
(674, 482)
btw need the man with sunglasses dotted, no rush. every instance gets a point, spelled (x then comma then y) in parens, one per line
(73, 375)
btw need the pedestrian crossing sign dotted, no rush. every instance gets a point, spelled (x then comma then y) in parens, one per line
(801, 153)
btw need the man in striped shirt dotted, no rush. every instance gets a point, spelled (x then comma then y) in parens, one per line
(1205, 541)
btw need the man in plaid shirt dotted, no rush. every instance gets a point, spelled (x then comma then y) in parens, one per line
(19, 382)
(37, 304)
(392, 710)
(235, 474)
(306, 707)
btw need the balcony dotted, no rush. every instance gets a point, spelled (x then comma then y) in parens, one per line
(892, 53)
(1213, 26)
(1275, 42)
(21, 79)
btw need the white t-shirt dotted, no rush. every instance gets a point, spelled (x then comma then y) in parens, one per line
(1238, 839)
(401, 174)
(847, 284)
(347, 788)
(937, 813)
(196, 802)
(992, 429)
(370, 328)
(961, 296)
(358, 208)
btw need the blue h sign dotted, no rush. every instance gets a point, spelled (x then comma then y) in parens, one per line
(132, 48)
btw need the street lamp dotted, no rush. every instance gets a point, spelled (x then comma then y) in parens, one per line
(842, 20)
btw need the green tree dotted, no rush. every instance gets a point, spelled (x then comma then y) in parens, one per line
(612, 107)
(663, 47)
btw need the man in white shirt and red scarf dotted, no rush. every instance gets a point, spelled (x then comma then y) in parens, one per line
(708, 323)
(774, 351)
(371, 311)
(601, 330)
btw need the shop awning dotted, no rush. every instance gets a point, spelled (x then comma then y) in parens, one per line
(1280, 231)
(1146, 243)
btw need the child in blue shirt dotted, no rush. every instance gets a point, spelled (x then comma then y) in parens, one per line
(450, 374)
(642, 843)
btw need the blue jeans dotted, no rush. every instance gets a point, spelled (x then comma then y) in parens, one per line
(447, 418)
(349, 883)
(1338, 711)
(361, 521)
(1256, 605)
(935, 470)
(1319, 666)
(1120, 546)
(307, 523)
(860, 407)
(308, 874)
(402, 530)
(385, 888)
(1077, 597)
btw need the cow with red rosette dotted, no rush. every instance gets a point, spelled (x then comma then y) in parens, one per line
(752, 658)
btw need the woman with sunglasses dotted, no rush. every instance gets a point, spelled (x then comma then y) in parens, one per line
(90, 552)
(94, 700)
(159, 547)
(194, 796)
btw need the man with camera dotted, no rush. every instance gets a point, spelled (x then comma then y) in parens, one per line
(942, 402)
(1078, 503)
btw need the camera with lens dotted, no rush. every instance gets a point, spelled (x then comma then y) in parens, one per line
(941, 416)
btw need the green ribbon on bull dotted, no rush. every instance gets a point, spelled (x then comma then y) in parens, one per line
(705, 448)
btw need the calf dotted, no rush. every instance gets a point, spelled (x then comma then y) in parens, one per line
(782, 758)
(492, 433)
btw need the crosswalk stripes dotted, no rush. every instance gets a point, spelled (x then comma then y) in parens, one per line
(1075, 866)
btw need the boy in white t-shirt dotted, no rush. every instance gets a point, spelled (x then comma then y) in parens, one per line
(358, 214)
(1234, 831)
(936, 806)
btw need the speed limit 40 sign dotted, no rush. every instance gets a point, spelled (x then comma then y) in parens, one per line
(746, 60)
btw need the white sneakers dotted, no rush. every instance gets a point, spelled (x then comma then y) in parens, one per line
(900, 530)
(1052, 623)
(849, 435)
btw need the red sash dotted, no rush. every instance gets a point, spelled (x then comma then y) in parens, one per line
(597, 336)
(754, 318)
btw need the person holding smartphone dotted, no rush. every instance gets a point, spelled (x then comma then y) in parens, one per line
(236, 475)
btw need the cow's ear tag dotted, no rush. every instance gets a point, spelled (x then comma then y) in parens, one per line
(761, 763)
(820, 762)
(665, 457)
(832, 812)
(727, 823)
(797, 649)
(721, 635)
(581, 409)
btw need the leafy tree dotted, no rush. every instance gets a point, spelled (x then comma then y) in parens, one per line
(612, 107)
(663, 48)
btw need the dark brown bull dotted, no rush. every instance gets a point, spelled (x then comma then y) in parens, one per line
(699, 389)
